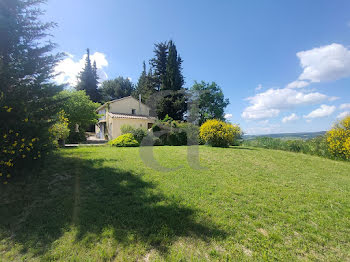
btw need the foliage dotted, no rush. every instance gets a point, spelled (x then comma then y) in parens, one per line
(145, 86)
(60, 130)
(315, 146)
(27, 107)
(175, 133)
(88, 79)
(126, 140)
(159, 65)
(218, 133)
(116, 88)
(338, 139)
(208, 102)
(80, 111)
(139, 133)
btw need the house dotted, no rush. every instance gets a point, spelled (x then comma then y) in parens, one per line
(119, 112)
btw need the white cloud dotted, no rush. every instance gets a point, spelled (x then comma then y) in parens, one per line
(333, 98)
(269, 103)
(292, 117)
(228, 116)
(343, 114)
(322, 111)
(259, 87)
(344, 106)
(325, 63)
(69, 68)
(298, 84)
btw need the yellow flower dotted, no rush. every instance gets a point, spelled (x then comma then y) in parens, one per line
(22, 139)
(28, 149)
(39, 156)
(10, 131)
(23, 156)
(9, 109)
(30, 144)
(5, 183)
(5, 135)
(0, 174)
(8, 176)
(26, 120)
(17, 134)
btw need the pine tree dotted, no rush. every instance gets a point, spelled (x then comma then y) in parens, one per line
(145, 85)
(159, 64)
(88, 80)
(27, 61)
(174, 104)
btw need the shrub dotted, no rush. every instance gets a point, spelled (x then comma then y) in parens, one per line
(218, 133)
(126, 140)
(139, 133)
(175, 133)
(60, 131)
(315, 146)
(338, 139)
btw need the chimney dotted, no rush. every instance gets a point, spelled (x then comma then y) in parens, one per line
(140, 104)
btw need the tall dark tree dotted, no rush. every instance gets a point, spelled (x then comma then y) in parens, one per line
(173, 104)
(27, 64)
(159, 64)
(207, 102)
(88, 80)
(145, 85)
(116, 88)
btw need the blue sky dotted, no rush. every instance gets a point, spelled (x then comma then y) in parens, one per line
(284, 65)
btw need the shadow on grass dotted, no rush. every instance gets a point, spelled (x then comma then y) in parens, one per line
(93, 198)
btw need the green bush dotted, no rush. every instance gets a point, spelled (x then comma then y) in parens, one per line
(126, 140)
(176, 133)
(139, 133)
(315, 146)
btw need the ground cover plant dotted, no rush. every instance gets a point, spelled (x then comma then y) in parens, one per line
(105, 204)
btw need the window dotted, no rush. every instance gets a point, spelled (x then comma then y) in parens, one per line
(133, 111)
(149, 125)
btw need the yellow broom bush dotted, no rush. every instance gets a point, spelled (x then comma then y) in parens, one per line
(338, 139)
(218, 133)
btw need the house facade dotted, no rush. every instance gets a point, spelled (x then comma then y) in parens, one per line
(119, 112)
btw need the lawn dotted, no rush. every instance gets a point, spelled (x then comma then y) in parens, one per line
(105, 204)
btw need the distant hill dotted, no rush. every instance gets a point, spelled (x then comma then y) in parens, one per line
(306, 135)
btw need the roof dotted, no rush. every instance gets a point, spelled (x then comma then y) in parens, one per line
(116, 100)
(129, 116)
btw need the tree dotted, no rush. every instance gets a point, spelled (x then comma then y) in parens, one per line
(159, 64)
(27, 107)
(116, 88)
(145, 85)
(80, 111)
(208, 102)
(173, 104)
(88, 79)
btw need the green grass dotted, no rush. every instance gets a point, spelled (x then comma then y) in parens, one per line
(105, 204)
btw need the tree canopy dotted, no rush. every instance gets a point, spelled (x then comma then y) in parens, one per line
(207, 102)
(116, 88)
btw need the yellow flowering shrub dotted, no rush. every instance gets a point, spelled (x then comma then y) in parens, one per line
(218, 133)
(338, 139)
(15, 148)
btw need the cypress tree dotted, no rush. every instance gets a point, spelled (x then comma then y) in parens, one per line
(88, 80)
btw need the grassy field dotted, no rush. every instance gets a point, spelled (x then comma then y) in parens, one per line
(105, 204)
